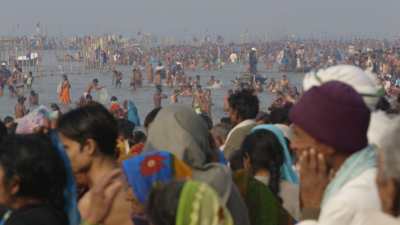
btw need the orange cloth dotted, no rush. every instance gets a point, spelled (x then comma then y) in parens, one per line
(65, 96)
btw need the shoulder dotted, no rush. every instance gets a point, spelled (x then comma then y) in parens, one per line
(44, 215)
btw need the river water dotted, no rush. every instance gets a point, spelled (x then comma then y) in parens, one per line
(46, 87)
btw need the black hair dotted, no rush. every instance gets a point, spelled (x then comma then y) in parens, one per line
(245, 103)
(163, 202)
(91, 121)
(226, 120)
(263, 117)
(383, 104)
(236, 160)
(3, 131)
(8, 119)
(151, 116)
(125, 128)
(265, 152)
(55, 107)
(139, 136)
(280, 115)
(113, 98)
(38, 167)
(207, 120)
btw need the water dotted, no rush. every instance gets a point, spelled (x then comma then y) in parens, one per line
(46, 87)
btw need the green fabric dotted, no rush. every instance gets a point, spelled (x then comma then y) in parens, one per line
(199, 204)
(264, 207)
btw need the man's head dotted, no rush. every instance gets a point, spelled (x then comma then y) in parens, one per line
(87, 133)
(95, 81)
(243, 105)
(388, 178)
(332, 119)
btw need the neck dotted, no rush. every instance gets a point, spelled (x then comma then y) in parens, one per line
(262, 173)
(99, 167)
(338, 160)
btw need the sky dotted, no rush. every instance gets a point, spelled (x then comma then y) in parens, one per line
(187, 18)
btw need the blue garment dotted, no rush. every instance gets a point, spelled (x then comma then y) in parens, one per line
(70, 192)
(145, 170)
(133, 114)
(287, 171)
(353, 167)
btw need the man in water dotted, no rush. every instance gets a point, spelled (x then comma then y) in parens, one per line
(94, 85)
(158, 97)
(20, 109)
(4, 75)
(253, 61)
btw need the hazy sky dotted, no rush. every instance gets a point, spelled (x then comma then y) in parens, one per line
(185, 18)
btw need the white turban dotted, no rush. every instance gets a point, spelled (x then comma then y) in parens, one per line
(365, 83)
(381, 125)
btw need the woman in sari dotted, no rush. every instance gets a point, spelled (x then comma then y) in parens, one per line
(145, 171)
(268, 182)
(183, 203)
(64, 91)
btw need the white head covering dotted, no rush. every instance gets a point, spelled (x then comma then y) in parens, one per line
(364, 83)
(380, 126)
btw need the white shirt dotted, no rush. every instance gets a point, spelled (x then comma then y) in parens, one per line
(358, 194)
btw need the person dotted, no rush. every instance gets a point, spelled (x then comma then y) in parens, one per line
(3, 131)
(189, 202)
(268, 165)
(211, 82)
(5, 74)
(137, 76)
(138, 141)
(387, 177)
(94, 85)
(33, 178)
(174, 96)
(149, 73)
(226, 100)
(20, 109)
(147, 170)
(253, 61)
(336, 147)
(116, 108)
(124, 140)
(132, 112)
(36, 121)
(89, 135)
(64, 95)
(158, 97)
(188, 138)
(33, 99)
(243, 110)
(29, 80)
(118, 79)
(10, 124)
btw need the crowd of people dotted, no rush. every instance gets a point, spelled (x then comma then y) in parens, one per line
(329, 155)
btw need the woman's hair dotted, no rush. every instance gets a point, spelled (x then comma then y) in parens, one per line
(150, 117)
(91, 121)
(32, 160)
(163, 202)
(265, 152)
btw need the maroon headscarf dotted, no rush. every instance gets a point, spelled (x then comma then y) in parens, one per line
(334, 114)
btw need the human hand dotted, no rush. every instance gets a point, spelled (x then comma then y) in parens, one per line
(314, 177)
(102, 196)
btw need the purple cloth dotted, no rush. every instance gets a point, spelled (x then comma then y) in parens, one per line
(334, 114)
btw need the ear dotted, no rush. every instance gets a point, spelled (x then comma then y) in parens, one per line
(14, 186)
(90, 147)
(246, 161)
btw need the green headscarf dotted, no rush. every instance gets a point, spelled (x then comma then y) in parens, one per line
(200, 204)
